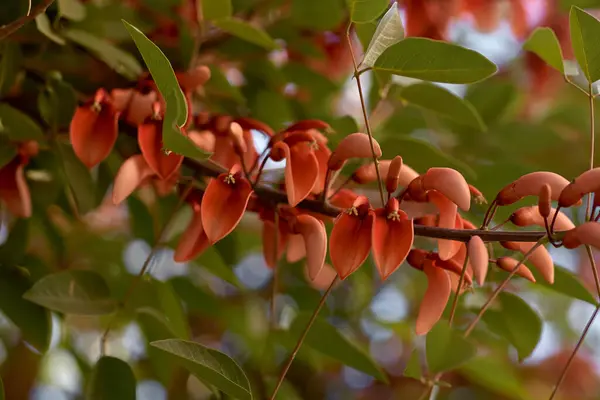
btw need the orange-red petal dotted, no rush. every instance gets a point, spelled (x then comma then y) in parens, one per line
(315, 239)
(151, 145)
(224, 204)
(448, 210)
(268, 238)
(130, 176)
(193, 241)
(435, 299)
(301, 171)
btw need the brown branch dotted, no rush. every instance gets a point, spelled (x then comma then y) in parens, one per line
(462, 235)
(6, 30)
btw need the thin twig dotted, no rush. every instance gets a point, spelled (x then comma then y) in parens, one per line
(365, 115)
(6, 30)
(147, 261)
(502, 285)
(461, 280)
(289, 362)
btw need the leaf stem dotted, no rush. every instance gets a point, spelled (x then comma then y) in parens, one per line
(289, 362)
(365, 115)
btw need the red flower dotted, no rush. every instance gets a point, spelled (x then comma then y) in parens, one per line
(94, 129)
(393, 237)
(224, 203)
(350, 240)
(194, 240)
(14, 191)
(151, 145)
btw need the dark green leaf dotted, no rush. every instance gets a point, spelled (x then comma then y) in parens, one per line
(216, 9)
(13, 250)
(8, 151)
(141, 220)
(585, 30)
(71, 9)
(389, 32)
(413, 366)
(9, 65)
(209, 365)
(45, 27)
(219, 85)
(272, 108)
(436, 61)
(567, 283)
(497, 375)
(365, 33)
(119, 60)
(518, 322)
(33, 321)
(447, 349)
(111, 379)
(17, 125)
(81, 292)
(442, 102)
(246, 31)
(325, 338)
(362, 11)
(57, 102)
(492, 99)
(319, 15)
(176, 113)
(79, 179)
(214, 263)
(544, 43)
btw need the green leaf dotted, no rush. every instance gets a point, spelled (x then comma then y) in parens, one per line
(444, 103)
(247, 32)
(585, 30)
(13, 250)
(447, 349)
(141, 220)
(214, 263)
(433, 60)
(365, 33)
(362, 11)
(517, 322)
(9, 65)
(8, 151)
(111, 379)
(17, 125)
(216, 9)
(567, 283)
(33, 321)
(78, 177)
(176, 113)
(218, 85)
(389, 32)
(80, 292)
(413, 366)
(320, 15)
(209, 366)
(495, 374)
(57, 102)
(325, 338)
(544, 43)
(45, 27)
(492, 99)
(119, 60)
(71, 9)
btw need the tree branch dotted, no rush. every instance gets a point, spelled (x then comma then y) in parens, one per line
(462, 235)
(14, 26)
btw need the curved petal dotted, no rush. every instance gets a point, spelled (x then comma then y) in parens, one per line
(355, 145)
(14, 190)
(268, 238)
(151, 145)
(479, 258)
(296, 249)
(140, 107)
(392, 240)
(509, 263)
(541, 259)
(301, 172)
(193, 241)
(130, 176)
(323, 279)
(224, 204)
(322, 154)
(435, 298)
(448, 210)
(451, 184)
(315, 239)
(93, 132)
(204, 140)
(350, 242)
(224, 153)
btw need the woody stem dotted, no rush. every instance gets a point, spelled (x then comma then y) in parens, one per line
(502, 285)
(289, 362)
(145, 266)
(365, 115)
